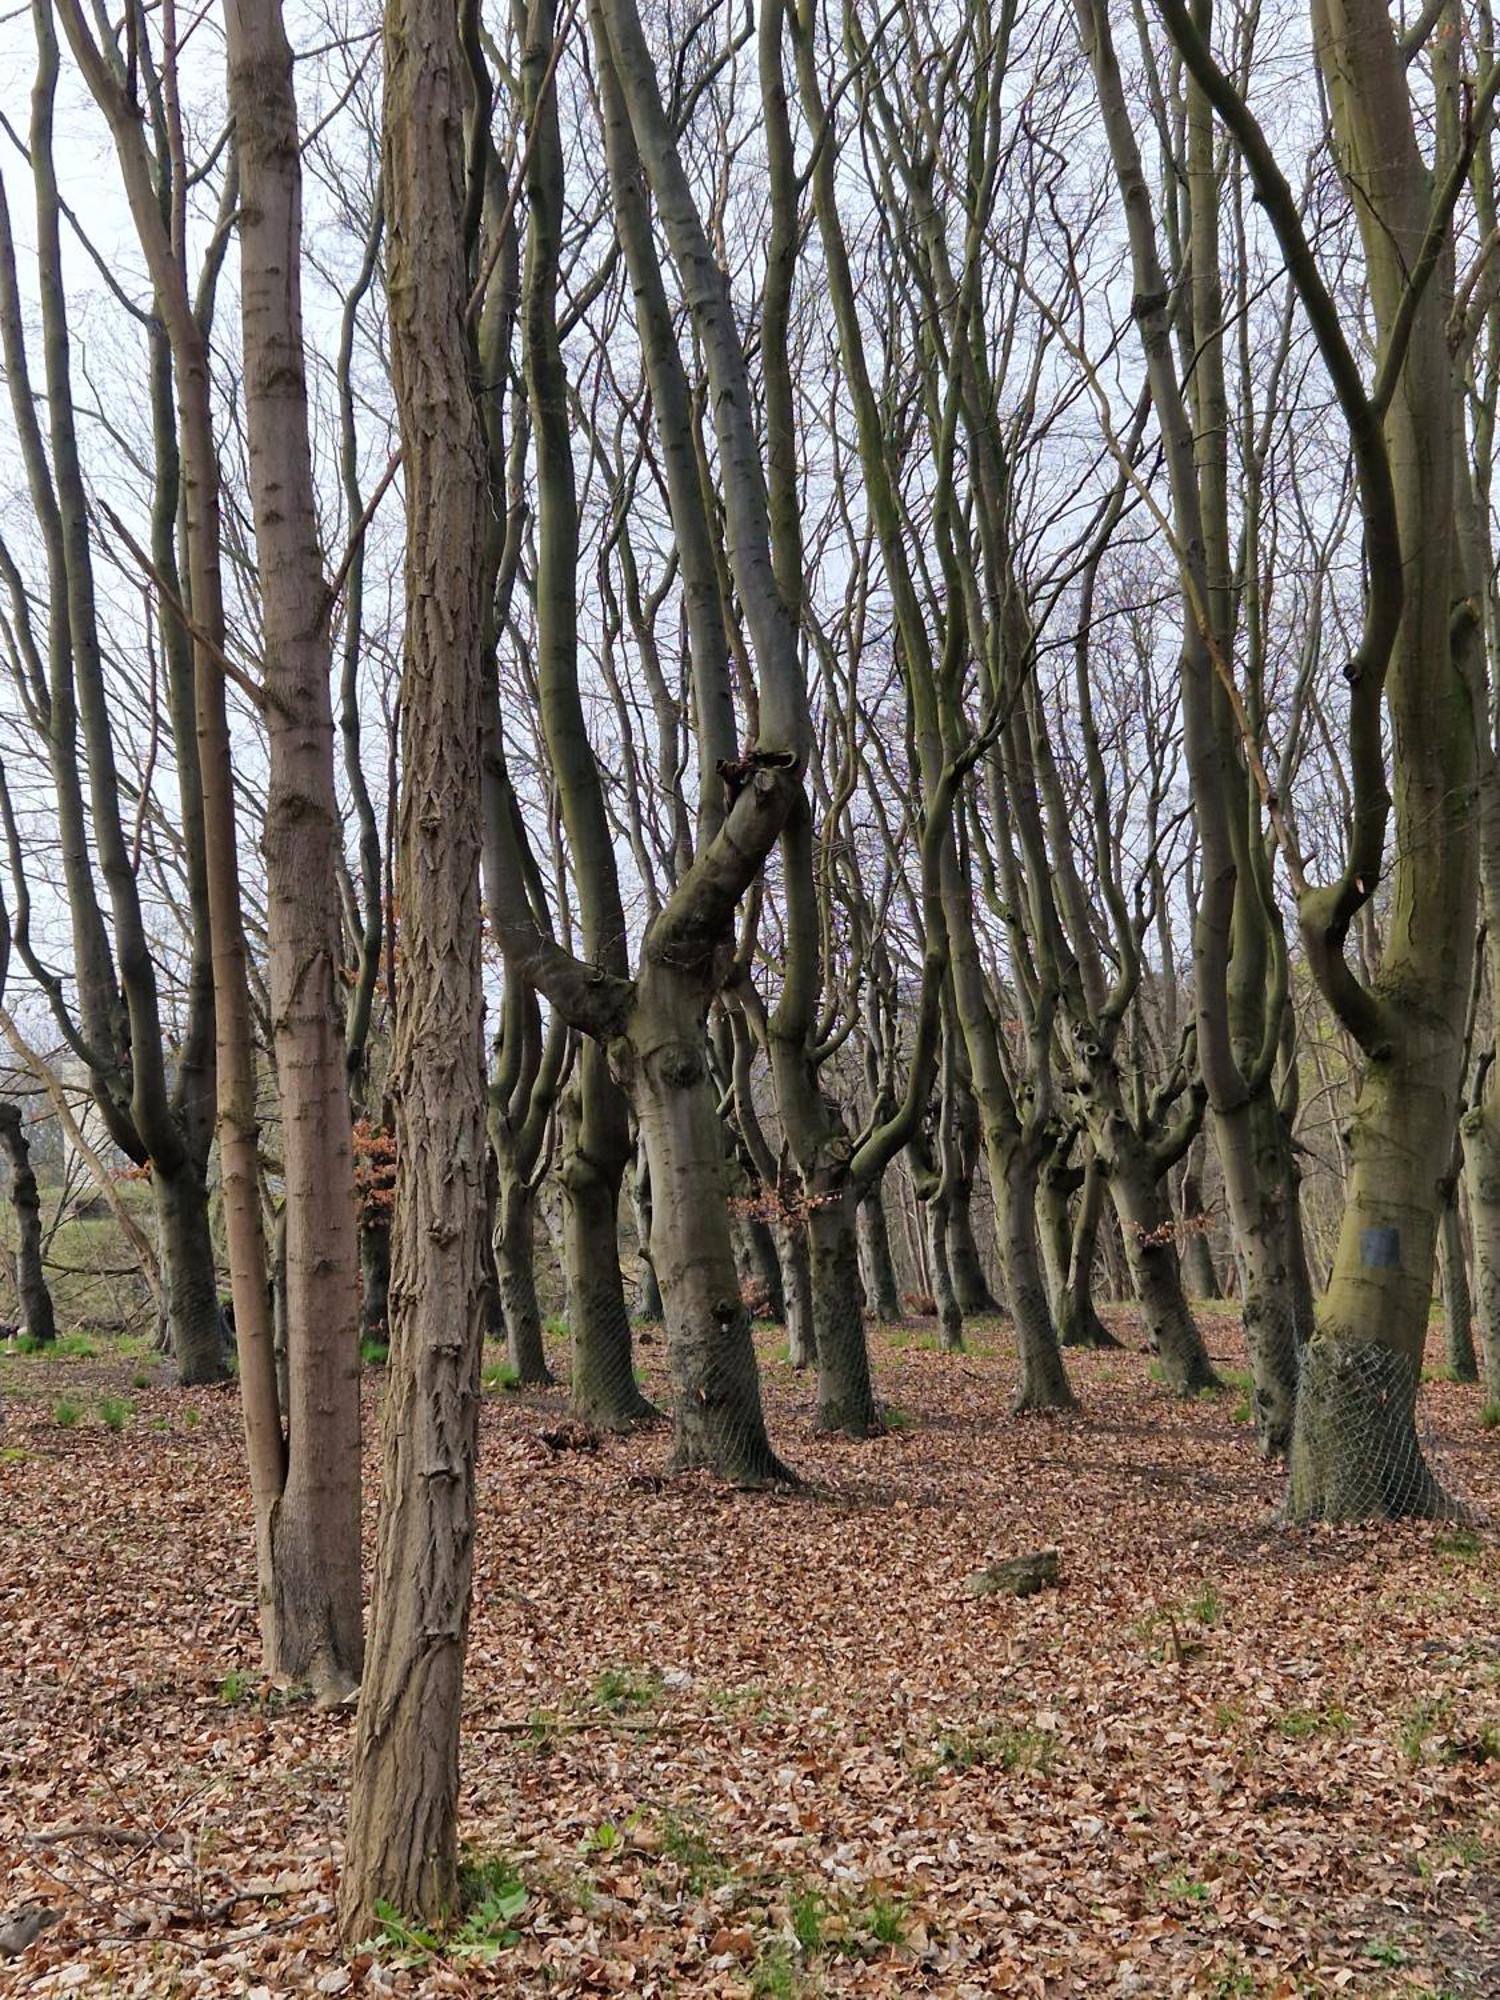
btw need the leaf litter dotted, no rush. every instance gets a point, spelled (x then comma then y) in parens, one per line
(773, 1745)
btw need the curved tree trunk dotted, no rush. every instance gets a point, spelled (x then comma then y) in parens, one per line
(971, 1288)
(1067, 1243)
(758, 1261)
(38, 1322)
(1197, 1254)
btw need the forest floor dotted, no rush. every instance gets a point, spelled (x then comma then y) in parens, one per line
(720, 1743)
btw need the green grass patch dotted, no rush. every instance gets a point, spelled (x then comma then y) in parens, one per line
(499, 1377)
(684, 1843)
(623, 1690)
(1300, 1724)
(114, 1413)
(65, 1414)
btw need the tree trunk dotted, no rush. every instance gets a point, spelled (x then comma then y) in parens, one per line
(758, 1262)
(648, 1291)
(37, 1320)
(1481, 1140)
(1067, 1243)
(971, 1288)
(717, 1417)
(877, 1266)
(1148, 1235)
(794, 1260)
(1463, 1364)
(190, 1279)
(515, 1261)
(1197, 1254)
(402, 1846)
(604, 1390)
(1044, 1381)
(940, 1276)
(314, 1629)
(846, 1392)
(375, 1277)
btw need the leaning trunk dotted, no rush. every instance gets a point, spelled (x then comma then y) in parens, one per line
(971, 1288)
(604, 1387)
(1067, 1243)
(940, 1276)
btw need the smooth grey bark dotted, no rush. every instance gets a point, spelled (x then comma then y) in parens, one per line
(1067, 1240)
(1197, 1253)
(794, 1256)
(950, 1317)
(877, 1265)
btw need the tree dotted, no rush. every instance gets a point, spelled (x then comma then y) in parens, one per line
(402, 1839)
(304, 1470)
(1354, 1449)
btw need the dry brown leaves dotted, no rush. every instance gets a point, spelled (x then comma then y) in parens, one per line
(750, 1745)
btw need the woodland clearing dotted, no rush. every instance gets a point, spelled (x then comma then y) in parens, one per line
(772, 1745)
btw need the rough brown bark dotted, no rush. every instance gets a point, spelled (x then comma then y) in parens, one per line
(402, 1839)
